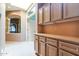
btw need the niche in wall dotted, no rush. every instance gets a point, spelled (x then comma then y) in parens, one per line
(15, 25)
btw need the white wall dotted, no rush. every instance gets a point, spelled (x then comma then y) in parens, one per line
(31, 29)
(31, 24)
(2, 27)
(23, 25)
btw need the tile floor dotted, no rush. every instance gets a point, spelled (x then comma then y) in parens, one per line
(19, 49)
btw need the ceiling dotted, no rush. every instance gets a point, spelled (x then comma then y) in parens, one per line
(24, 5)
(19, 4)
(10, 7)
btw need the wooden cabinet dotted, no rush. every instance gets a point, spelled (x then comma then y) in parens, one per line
(36, 46)
(51, 41)
(64, 53)
(42, 39)
(41, 48)
(56, 11)
(51, 12)
(46, 12)
(36, 42)
(40, 15)
(51, 50)
(69, 47)
(60, 19)
(52, 46)
(70, 10)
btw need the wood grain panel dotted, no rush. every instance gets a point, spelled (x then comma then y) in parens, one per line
(66, 28)
(52, 42)
(36, 45)
(42, 48)
(40, 28)
(56, 11)
(46, 12)
(64, 53)
(42, 38)
(51, 51)
(70, 10)
(69, 47)
(40, 16)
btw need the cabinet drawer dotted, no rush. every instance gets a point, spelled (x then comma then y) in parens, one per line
(52, 41)
(42, 39)
(64, 53)
(69, 47)
(36, 37)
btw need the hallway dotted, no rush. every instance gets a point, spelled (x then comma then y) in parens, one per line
(40, 29)
(19, 49)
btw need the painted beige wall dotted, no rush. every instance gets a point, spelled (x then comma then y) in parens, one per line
(31, 24)
(23, 25)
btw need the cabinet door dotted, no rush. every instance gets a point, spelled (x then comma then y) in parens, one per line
(64, 53)
(40, 15)
(70, 10)
(46, 12)
(56, 11)
(42, 48)
(51, 51)
(36, 45)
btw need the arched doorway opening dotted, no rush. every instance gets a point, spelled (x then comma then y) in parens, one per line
(14, 24)
(13, 28)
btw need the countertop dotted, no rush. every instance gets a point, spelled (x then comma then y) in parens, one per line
(60, 37)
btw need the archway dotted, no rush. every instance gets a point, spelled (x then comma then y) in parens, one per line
(13, 32)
